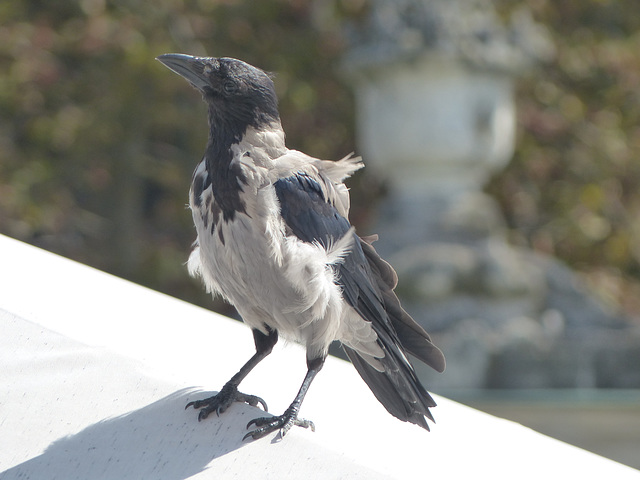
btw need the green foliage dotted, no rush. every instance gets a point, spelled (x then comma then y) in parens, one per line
(572, 188)
(98, 140)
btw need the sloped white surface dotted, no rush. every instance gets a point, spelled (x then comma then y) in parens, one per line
(95, 373)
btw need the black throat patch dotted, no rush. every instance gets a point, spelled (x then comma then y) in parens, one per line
(226, 180)
(228, 123)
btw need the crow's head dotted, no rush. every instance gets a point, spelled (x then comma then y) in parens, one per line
(236, 92)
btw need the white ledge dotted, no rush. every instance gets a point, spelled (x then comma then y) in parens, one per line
(95, 373)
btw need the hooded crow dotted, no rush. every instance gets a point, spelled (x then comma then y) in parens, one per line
(274, 240)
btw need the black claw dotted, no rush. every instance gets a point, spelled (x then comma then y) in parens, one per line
(252, 400)
(258, 422)
(222, 400)
(198, 403)
(283, 423)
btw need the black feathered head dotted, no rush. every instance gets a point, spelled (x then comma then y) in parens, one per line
(237, 93)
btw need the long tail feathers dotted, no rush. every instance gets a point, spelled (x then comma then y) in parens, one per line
(397, 387)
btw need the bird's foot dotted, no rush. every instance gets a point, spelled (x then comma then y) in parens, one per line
(222, 400)
(283, 423)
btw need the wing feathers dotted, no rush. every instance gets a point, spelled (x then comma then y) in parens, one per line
(412, 336)
(367, 284)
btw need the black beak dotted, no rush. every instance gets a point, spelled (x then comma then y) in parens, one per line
(194, 69)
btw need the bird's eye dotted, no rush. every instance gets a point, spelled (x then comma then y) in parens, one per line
(229, 87)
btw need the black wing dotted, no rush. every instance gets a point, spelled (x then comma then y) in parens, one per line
(367, 284)
(306, 212)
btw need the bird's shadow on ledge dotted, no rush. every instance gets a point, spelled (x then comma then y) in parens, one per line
(161, 441)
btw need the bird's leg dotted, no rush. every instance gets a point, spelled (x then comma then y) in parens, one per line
(229, 393)
(289, 418)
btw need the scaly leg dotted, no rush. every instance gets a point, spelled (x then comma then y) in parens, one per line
(289, 418)
(229, 393)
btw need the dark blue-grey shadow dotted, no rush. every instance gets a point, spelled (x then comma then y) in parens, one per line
(162, 441)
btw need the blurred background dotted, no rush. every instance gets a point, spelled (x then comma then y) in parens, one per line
(522, 251)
